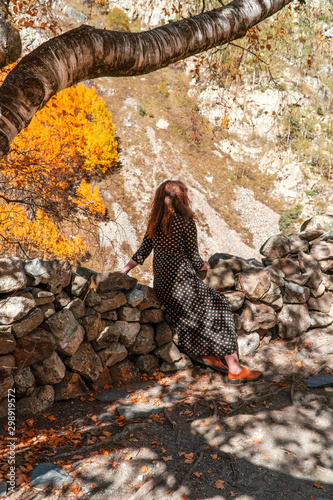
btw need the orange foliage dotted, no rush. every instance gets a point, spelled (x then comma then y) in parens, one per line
(70, 140)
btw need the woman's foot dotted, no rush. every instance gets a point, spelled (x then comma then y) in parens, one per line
(244, 376)
(213, 362)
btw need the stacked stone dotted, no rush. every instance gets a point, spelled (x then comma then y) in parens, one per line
(64, 334)
(290, 291)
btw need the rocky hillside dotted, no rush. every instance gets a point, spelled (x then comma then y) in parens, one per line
(243, 143)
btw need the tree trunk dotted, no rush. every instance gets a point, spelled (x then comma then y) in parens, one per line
(86, 53)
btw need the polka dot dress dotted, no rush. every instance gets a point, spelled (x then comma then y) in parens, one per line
(201, 315)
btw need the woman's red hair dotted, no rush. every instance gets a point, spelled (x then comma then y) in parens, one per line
(171, 197)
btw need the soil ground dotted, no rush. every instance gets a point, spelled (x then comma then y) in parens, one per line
(266, 440)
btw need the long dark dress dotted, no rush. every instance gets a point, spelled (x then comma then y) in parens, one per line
(201, 316)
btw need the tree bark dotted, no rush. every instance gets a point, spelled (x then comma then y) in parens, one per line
(86, 53)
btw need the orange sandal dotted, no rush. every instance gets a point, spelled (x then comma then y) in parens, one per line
(244, 376)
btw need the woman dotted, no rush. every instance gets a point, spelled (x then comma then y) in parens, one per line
(201, 315)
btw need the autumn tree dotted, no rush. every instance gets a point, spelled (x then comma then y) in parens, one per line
(45, 177)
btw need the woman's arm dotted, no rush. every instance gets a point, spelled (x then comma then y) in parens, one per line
(130, 264)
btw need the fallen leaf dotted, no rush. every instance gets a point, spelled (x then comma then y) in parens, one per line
(184, 497)
(299, 364)
(264, 458)
(144, 468)
(197, 474)
(318, 485)
(219, 484)
(232, 494)
(217, 428)
(30, 421)
(52, 417)
(94, 418)
(166, 459)
(163, 450)
(214, 457)
(77, 457)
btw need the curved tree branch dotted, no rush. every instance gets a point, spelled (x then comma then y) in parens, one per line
(87, 53)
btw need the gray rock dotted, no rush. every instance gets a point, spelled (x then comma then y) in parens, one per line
(92, 324)
(114, 300)
(287, 266)
(138, 411)
(55, 274)
(235, 299)
(61, 300)
(7, 365)
(248, 344)
(323, 222)
(72, 13)
(110, 281)
(298, 244)
(163, 334)
(152, 316)
(134, 297)
(112, 395)
(85, 272)
(328, 282)
(277, 276)
(42, 296)
(293, 320)
(276, 246)
(6, 383)
(67, 332)
(92, 298)
(253, 282)
(322, 250)
(310, 235)
(149, 298)
(79, 285)
(219, 278)
(12, 276)
(36, 346)
(110, 315)
(85, 362)
(7, 342)
(322, 303)
(71, 386)
(49, 371)
(295, 294)
(319, 291)
(128, 332)
(168, 352)
(41, 398)
(47, 473)
(24, 382)
(225, 260)
(110, 333)
(319, 319)
(181, 364)
(77, 307)
(273, 296)
(326, 265)
(147, 363)
(257, 317)
(48, 310)
(129, 314)
(299, 279)
(114, 353)
(14, 308)
(144, 342)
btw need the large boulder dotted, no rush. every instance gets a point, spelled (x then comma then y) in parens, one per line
(77, 307)
(322, 222)
(248, 344)
(235, 299)
(7, 342)
(149, 298)
(310, 266)
(109, 281)
(110, 332)
(71, 386)
(293, 320)
(273, 296)
(327, 265)
(228, 261)
(129, 314)
(128, 332)
(86, 362)
(110, 301)
(42, 296)
(322, 250)
(41, 398)
(67, 332)
(126, 371)
(219, 278)
(298, 244)
(253, 282)
(134, 297)
(152, 316)
(12, 275)
(276, 246)
(168, 352)
(49, 371)
(322, 303)
(163, 334)
(92, 324)
(257, 317)
(7, 365)
(286, 265)
(147, 363)
(14, 308)
(320, 319)
(79, 285)
(6, 383)
(55, 274)
(328, 282)
(37, 345)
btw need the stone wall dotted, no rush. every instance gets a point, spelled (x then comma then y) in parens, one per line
(65, 334)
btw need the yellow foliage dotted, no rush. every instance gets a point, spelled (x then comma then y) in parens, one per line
(70, 139)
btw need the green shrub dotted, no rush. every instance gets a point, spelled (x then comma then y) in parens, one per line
(163, 89)
(117, 20)
(141, 110)
(289, 218)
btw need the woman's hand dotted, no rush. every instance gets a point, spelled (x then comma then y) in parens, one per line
(206, 266)
(131, 263)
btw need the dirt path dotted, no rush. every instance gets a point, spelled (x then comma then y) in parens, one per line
(269, 440)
